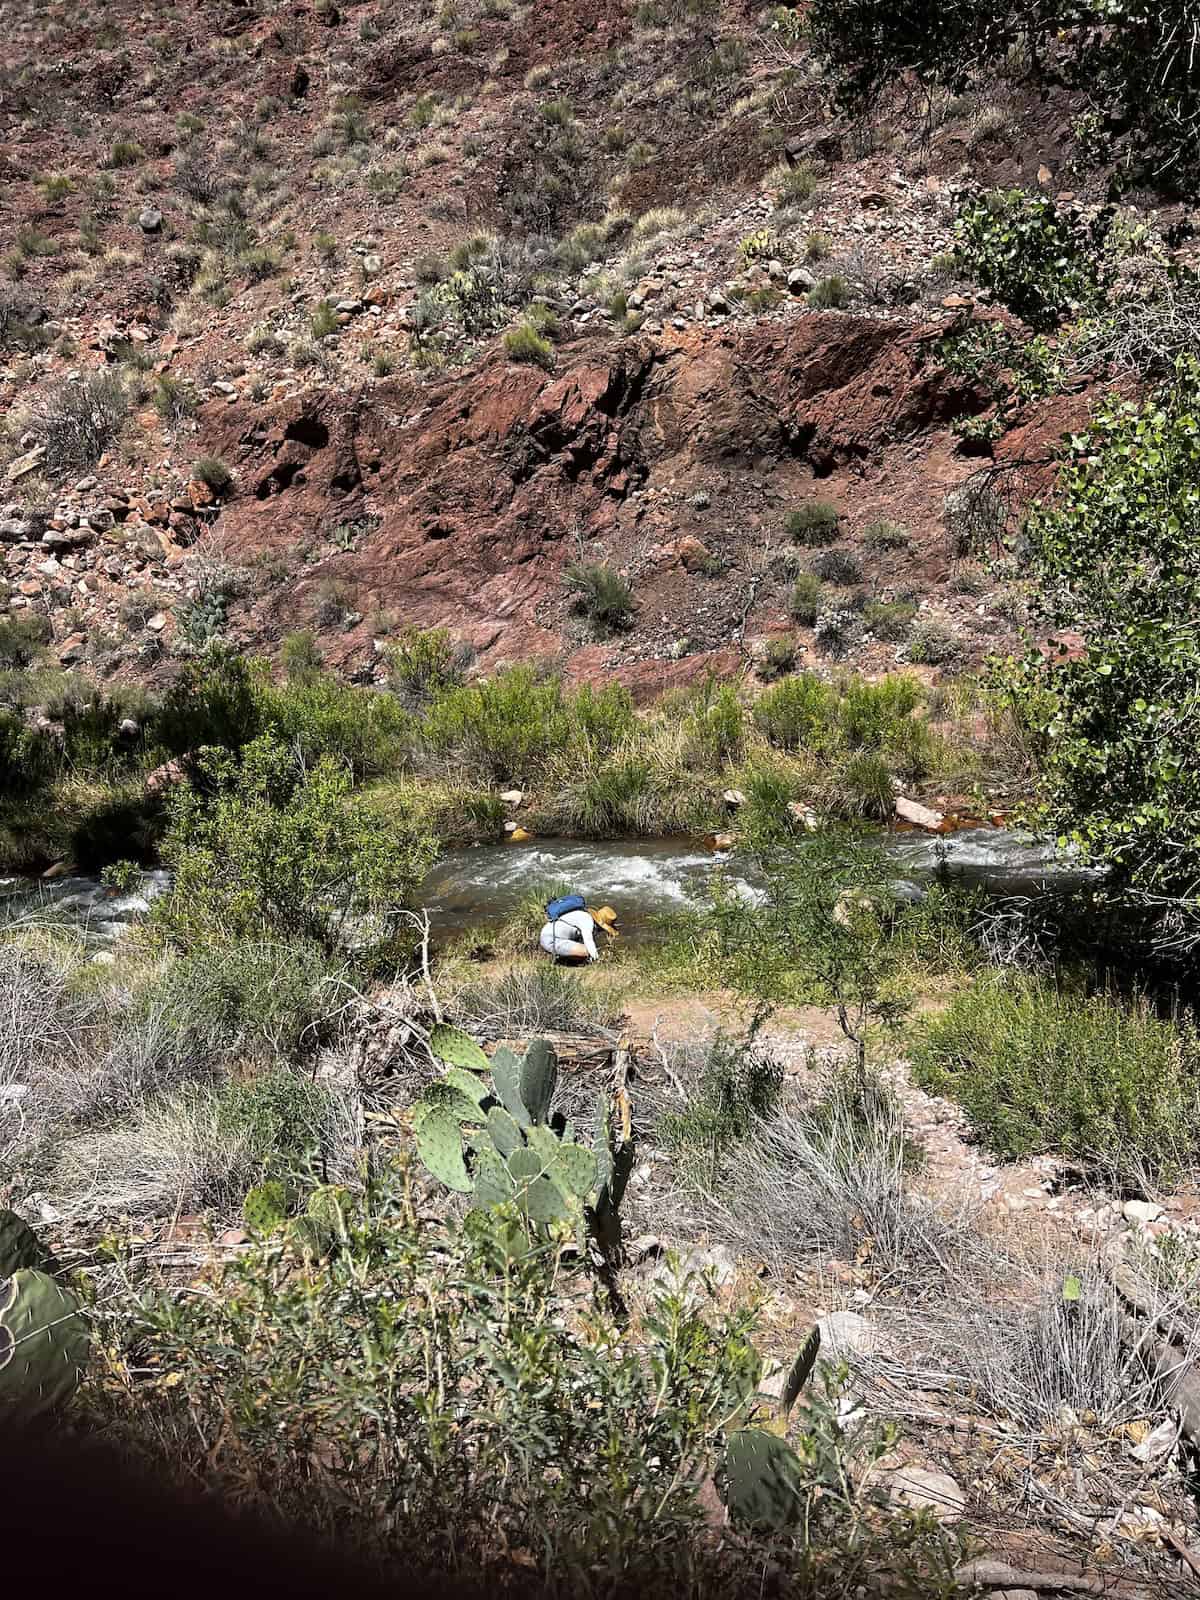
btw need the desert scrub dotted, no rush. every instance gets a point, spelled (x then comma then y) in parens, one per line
(731, 1083)
(815, 523)
(492, 1380)
(75, 423)
(804, 602)
(525, 344)
(423, 663)
(601, 594)
(214, 474)
(1041, 1068)
(840, 567)
(830, 294)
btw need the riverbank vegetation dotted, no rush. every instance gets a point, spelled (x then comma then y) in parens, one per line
(86, 775)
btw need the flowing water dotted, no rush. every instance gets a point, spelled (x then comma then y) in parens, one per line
(478, 887)
(644, 878)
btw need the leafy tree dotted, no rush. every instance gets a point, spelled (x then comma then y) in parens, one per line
(1117, 556)
(265, 847)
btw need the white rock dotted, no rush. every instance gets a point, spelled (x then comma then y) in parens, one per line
(920, 816)
(512, 797)
(1141, 1212)
(845, 1333)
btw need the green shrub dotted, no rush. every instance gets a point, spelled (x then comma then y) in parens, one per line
(600, 719)
(1042, 263)
(300, 656)
(796, 187)
(935, 644)
(318, 716)
(830, 294)
(213, 701)
(324, 320)
(865, 788)
(23, 639)
(872, 714)
(719, 725)
(885, 535)
(890, 620)
(503, 728)
(734, 1084)
(601, 594)
(1119, 770)
(616, 798)
(266, 848)
(1043, 1069)
(798, 713)
(423, 663)
(524, 343)
(804, 602)
(492, 1382)
(815, 523)
(214, 474)
(779, 658)
(125, 153)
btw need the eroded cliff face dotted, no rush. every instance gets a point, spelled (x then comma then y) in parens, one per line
(676, 461)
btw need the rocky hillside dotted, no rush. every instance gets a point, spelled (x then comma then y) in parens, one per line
(343, 319)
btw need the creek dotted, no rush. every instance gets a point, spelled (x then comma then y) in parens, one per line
(479, 886)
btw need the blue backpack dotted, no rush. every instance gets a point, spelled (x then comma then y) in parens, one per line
(567, 902)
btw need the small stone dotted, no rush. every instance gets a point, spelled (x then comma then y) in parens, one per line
(372, 266)
(800, 280)
(734, 798)
(845, 1333)
(72, 649)
(150, 219)
(128, 728)
(157, 622)
(1141, 1212)
(512, 797)
(775, 269)
(923, 1489)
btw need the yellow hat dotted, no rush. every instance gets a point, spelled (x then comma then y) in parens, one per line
(606, 916)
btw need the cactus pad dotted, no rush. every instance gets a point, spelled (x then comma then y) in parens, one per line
(19, 1246)
(456, 1048)
(43, 1342)
(763, 1480)
(329, 1207)
(505, 1134)
(539, 1074)
(309, 1238)
(506, 1075)
(493, 1181)
(265, 1207)
(542, 1203)
(525, 1165)
(439, 1144)
(448, 1097)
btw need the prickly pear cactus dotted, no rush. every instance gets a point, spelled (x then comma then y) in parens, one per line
(506, 1075)
(440, 1146)
(43, 1343)
(763, 1480)
(19, 1246)
(539, 1074)
(265, 1207)
(456, 1048)
(309, 1238)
